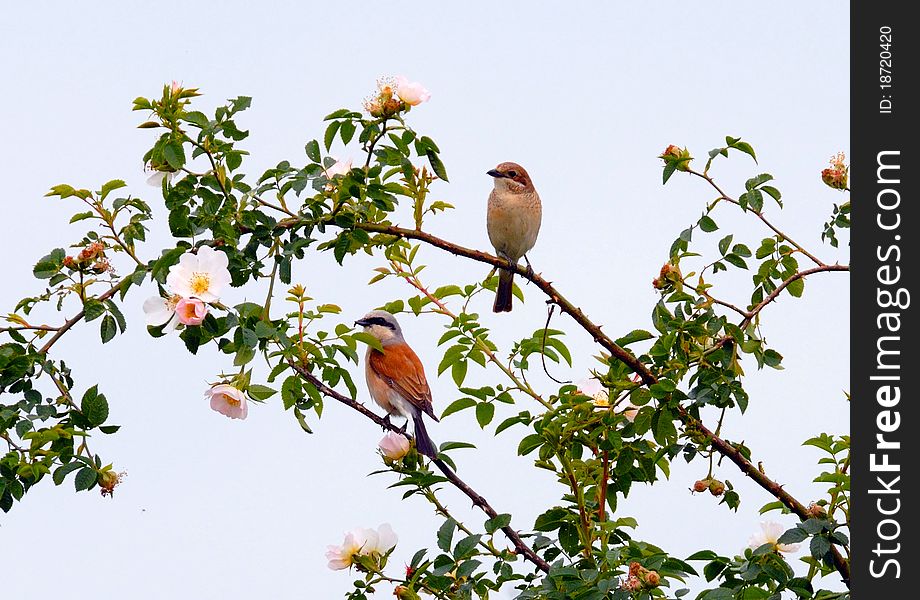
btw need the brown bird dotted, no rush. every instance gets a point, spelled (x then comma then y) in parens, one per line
(396, 378)
(513, 221)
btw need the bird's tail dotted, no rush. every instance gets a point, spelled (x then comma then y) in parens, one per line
(423, 443)
(504, 293)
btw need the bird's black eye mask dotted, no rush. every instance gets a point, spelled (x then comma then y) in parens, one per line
(375, 321)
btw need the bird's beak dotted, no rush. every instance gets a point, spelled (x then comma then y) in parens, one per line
(495, 173)
(362, 323)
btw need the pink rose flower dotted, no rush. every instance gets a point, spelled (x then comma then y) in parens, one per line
(341, 167)
(191, 311)
(394, 445)
(412, 93)
(228, 401)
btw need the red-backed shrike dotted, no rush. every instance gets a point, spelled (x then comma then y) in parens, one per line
(396, 377)
(513, 221)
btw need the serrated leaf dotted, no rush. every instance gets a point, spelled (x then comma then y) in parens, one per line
(636, 335)
(94, 407)
(261, 392)
(446, 534)
(174, 154)
(485, 411)
(330, 134)
(49, 264)
(707, 224)
(797, 287)
(368, 339)
(436, 164)
(85, 479)
(108, 328)
(110, 186)
(312, 150)
(458, 405)
(291, 391)
(497, 522)
(64, 470)
(819, 546)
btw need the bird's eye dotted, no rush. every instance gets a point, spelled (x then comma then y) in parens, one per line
(512, 173)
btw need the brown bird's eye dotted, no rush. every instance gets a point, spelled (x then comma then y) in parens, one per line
(512, 173)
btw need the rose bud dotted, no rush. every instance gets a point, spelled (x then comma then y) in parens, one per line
(716, 487)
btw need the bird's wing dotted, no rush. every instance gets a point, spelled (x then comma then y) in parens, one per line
(399, 366)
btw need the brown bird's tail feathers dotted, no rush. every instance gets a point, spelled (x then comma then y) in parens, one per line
(505, 291)
(423, 443)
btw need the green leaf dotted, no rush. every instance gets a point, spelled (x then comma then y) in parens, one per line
(819, 546)
(530, 443)
(93, 309)
(777, 505)
(744, 147)
(347, 131)
(793, 536)
(81, 216)
(49, 264)
(110, 186)
(174, 154)
(735, 260)
(94, 407)
(663, 427)
(108, 328)
(368, 339)
(331, 132)
(458, 371)
(446, 534)
(64, 470)
(484, 413)
(773, 192)
(465, 546)
(703, 555)
(85, 479)
(261, 392)
(436, 164)
(497, 522)
(707, 224)
(457, 406)
(797, 287)
(291, 391)
(669, 169)
(312, 149)
(636, 335)
(724, 244)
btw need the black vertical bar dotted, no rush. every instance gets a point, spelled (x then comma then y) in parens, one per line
(885, 431)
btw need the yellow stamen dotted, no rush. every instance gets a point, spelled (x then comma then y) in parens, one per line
(200, 282)
(230, 400)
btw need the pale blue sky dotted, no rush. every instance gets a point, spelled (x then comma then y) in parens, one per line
(585, 98)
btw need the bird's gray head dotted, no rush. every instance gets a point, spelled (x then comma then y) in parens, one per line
(382, 325)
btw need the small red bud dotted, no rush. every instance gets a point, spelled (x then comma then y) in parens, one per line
(701, 485)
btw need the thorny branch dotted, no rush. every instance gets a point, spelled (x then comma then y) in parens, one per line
(520, 547)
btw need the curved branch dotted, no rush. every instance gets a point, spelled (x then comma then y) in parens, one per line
(648, 378)
(77, 317)
(800, 275)
(760, 216)
(520, 547)
(545, 286)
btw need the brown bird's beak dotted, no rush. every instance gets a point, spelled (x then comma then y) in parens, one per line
(495, 173)
(362, 323)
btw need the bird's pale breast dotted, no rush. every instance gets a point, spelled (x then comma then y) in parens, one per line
(513, 222)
